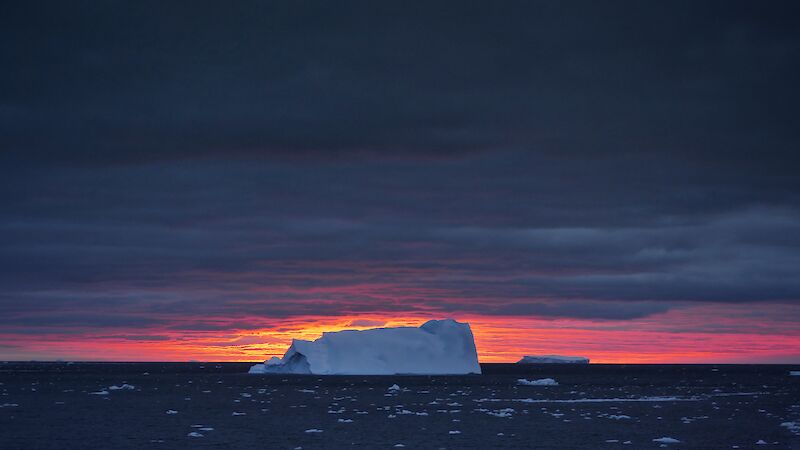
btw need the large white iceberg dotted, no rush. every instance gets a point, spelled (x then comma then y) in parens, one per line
(555, 359)
(438, 347)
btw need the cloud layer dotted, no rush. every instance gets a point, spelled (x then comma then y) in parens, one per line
(229, 168)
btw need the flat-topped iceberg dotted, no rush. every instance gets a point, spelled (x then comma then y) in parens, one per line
(553, 359)
(438, 347)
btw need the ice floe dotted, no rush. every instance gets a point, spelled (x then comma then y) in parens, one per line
(540, 382)
(794, 427)
(591, 400)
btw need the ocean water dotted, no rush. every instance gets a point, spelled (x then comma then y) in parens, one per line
(218, 405)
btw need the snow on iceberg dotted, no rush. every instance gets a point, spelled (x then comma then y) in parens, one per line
(438, 347)
(554, 359)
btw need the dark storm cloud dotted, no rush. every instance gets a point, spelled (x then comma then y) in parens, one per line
(78, 320)
(118, 81)
(606, 161)
(582, 310)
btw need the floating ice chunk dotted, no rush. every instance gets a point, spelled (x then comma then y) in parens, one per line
(541, 382)
(9, 405)
(453, 432)
(761, 442)
(103, 392)
(794, 373)
(172, 411)
(345, 420)
(393, 388)
(667, 440)
(733, 394)
(553, 359)
(506, 412)
(121, 387)
(313, 430)
(195, 434)
(794, 427)
(591, 400)
(438, 347)
(236, 413)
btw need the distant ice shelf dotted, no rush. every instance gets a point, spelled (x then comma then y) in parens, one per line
(540, 382)
(553, 359)
(438, 347)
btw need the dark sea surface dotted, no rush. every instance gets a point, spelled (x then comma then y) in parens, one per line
(71, 405)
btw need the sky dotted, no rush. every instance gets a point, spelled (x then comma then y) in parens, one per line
(207, 181)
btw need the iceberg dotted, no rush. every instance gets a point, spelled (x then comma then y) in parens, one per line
(553, 359)
(438, 347)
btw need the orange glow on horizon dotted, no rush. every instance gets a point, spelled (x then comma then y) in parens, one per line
(679, 336)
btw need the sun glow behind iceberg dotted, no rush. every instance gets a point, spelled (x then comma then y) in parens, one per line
(438, 347)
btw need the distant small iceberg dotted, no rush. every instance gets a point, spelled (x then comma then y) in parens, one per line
(553, 359)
